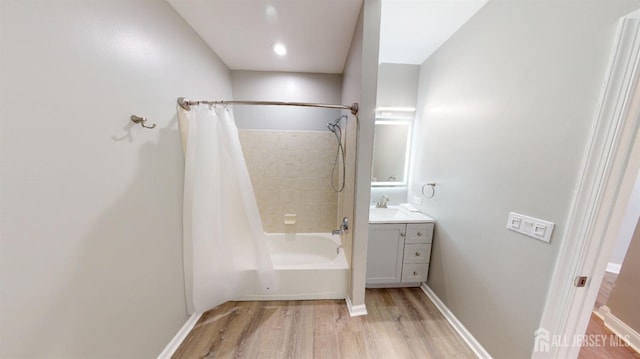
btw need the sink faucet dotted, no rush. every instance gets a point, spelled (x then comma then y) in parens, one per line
(382, 203)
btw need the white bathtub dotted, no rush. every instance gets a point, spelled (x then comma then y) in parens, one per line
(308, 266)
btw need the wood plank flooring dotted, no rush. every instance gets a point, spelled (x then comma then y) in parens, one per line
(617, 351)
(402, 323)
(597, 327)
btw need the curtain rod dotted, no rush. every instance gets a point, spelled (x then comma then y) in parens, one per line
(186, 104)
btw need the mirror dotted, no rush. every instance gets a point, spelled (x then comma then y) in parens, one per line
(397, 90)
(391, 152)
(410, 31)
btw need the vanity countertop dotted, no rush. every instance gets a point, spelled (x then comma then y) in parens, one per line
(395, 214)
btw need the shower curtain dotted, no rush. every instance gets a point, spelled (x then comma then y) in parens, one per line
(224, 242)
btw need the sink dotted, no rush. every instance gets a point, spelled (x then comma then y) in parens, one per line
(396, 215)
(387, 213)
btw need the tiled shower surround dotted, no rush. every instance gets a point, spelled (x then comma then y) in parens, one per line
(291, 174)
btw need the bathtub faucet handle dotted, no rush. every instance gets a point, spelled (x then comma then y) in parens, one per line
(344, 226)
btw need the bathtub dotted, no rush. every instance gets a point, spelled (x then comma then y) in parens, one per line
(307, 265)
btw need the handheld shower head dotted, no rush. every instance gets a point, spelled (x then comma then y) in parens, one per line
(337, 132)
(332, 126)
(337, 121)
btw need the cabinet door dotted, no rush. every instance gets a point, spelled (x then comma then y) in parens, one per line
(385, 253)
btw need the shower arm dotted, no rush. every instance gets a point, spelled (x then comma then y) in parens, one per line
(186, 104)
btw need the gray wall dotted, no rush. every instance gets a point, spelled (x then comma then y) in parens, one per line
(359, 85)
(90, 207)
(625, 295)
(397, 85)
(627, 226)
(504, 109)
(351, 90)
(285, 86)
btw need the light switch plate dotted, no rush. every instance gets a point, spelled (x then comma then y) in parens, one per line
(529, 226)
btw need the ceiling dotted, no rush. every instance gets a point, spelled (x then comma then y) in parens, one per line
(412, 30)
(318, 33)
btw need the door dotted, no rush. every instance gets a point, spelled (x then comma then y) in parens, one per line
(592, 224)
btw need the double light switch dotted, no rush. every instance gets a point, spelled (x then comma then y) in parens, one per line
(532, 227)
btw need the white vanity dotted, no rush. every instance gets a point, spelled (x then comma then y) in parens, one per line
(399, 247)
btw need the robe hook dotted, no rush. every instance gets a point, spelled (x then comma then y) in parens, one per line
(142, 121)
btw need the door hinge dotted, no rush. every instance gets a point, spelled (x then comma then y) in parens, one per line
(580, 281)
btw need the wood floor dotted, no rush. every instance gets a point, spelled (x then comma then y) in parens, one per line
(597, 327)
(402, 323)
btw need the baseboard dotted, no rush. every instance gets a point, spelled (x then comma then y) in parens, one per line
(271, 297)
(356, 310)
(456, 324)
(614, 267)
(620, 328)
(180, 336)
(394, 285)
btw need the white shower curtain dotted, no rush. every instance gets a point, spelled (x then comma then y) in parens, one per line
(224, 241)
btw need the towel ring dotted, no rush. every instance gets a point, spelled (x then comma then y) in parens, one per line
(433, 190)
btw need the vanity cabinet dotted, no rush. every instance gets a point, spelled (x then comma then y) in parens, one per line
(398, 254)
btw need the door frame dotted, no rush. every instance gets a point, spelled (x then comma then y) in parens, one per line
(591, 228)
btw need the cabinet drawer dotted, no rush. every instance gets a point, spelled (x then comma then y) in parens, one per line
(414, 273)
(419, 233)
(417, 253)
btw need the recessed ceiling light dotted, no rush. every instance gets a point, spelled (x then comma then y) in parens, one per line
(279, 49)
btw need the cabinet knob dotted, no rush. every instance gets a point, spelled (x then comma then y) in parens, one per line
(419, 234)
(415, 273)
(402, 234)
(417, 254)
